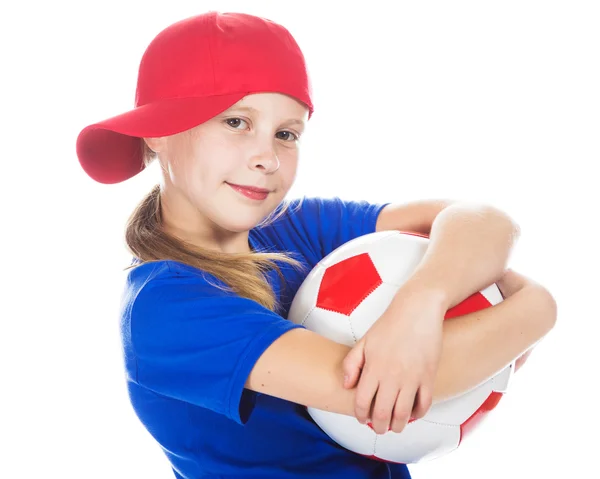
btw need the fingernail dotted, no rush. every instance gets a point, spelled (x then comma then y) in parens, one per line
(346, 378)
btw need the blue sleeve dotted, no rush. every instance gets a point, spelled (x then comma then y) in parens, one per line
(331, 222)
(196, 343)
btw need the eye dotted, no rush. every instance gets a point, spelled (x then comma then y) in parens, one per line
(287, 136)
(236, 123)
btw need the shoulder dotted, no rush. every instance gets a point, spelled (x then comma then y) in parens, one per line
(172, 303)
(315, 226)
(145, 275)
(178, 306)
(309, 211)
(320, 204)
(156, 286)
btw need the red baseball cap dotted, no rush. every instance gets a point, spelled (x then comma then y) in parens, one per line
(190, 72)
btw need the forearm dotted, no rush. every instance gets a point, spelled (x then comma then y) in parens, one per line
(469, 248)
(478, 345)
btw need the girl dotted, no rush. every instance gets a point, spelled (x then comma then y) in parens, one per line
(215, 372)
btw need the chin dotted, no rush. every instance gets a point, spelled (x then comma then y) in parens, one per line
(244, 219)
(240, 225)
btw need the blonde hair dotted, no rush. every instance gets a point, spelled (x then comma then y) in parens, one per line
(243, 273)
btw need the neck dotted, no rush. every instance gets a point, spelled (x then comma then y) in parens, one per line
(185, 223)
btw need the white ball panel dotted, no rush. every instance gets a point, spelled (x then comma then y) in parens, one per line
(354, 247)
(306, 296)
(418, 442)
(396, 256)
(332, 325)
(346, 431)
(457, 410)
(371, 309)
(501, 381)
(492, 294)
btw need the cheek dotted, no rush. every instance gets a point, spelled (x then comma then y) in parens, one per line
(180, 156)
(288, 169)
(219, 157)
(186, 176)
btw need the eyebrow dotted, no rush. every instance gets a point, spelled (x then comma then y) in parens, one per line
(250, 109)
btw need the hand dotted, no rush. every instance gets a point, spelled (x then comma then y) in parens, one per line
(396, 361)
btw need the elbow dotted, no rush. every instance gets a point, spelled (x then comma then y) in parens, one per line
(548, 309)
(510, 228)
(497, 222)
(552, 310)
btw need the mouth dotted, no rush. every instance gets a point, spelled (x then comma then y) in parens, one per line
(250, 188)
(251, 192)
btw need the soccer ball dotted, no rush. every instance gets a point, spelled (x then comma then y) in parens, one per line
(344, 294)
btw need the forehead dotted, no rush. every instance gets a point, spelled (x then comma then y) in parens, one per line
(275, 105)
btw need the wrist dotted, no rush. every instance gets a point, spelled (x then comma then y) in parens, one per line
(425, 290)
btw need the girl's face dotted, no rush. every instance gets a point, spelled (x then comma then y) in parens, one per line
(253, 143)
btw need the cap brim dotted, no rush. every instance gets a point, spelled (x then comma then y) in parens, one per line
(110, 151)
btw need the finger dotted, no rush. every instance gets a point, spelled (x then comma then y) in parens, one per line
(383, 408)
(365, 392)
(403, 407)
(353, 364)
(423, 401)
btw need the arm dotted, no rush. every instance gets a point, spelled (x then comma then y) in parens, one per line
(469, 245)
(306, 368)
(478, 345)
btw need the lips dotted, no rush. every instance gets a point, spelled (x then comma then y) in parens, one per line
(251, 188)
(251, 192)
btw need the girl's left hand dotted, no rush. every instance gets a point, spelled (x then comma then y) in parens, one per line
(396, 361)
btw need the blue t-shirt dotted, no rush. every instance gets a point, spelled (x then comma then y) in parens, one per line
(190, 346)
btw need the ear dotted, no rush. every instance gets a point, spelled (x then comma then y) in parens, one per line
(155, 144)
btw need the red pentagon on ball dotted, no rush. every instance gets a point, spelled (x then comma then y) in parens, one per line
(346, 284)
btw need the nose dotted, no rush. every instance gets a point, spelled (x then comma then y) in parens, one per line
(267, 162)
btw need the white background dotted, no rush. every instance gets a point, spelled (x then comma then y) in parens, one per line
(495, 102)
